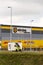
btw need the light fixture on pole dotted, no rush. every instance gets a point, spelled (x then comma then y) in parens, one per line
(10, 22)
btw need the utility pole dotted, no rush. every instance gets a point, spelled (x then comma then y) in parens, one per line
(10, 22)
(31, 35)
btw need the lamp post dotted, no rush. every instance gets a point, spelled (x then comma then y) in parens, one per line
(31, 36)
(10, 22)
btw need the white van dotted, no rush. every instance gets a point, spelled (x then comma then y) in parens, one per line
(13, 46)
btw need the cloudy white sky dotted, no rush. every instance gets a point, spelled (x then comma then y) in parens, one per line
(23, 12)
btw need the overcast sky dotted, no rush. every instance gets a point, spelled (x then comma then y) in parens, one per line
(23, 12)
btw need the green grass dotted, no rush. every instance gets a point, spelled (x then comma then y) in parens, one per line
(21, 58)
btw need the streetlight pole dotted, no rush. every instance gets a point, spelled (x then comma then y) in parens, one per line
(10, 22)
(31, 35)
